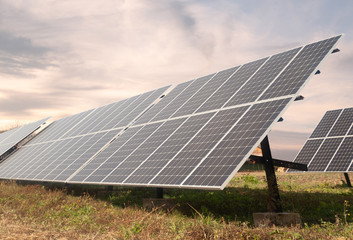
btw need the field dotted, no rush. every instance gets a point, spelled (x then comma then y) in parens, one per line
(38, 212)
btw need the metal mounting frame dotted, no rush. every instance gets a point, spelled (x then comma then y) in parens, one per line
(274, 200)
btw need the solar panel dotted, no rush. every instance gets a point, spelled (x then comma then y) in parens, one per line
(14, 136)
(197, 136)
(293, 77)
(69, 142)
(206, 156)
(330, 148)
(222, 94)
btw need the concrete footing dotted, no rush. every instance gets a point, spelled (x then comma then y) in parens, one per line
(279, 219)
(160, 203)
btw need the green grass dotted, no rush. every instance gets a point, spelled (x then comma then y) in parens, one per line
(34, 211)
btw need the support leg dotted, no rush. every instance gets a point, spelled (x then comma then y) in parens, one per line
(274, 202)
(347, 180)
(159, 192)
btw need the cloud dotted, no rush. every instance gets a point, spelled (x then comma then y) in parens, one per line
(17, 103)
(64, 57)
(285, 145)
(19, 45)
(19, 55)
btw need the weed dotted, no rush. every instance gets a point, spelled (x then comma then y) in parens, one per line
(346, 210)
(249, 179)
(34, 212)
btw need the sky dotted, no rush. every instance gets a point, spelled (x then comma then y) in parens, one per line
(59, 58)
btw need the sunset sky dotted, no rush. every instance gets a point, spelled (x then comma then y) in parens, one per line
(58, 58)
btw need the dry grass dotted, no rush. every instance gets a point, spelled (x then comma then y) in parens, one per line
(34, 212)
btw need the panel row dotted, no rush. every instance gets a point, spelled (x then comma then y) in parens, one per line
(12, 137)
(335, 123)
(200, 150)
(198, 135)
(112, 116)
(330, 148)
(328, 155)
(54, 160)
(280, 75)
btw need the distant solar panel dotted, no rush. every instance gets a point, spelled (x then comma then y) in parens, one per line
(197, 136)
(330, 148)
(69, 142)
(14, 136)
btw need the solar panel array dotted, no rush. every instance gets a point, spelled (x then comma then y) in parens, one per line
(68, 143)
(330, 146)
(197, 136)
(14, 136)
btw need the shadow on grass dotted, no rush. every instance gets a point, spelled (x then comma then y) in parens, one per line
(233, 203)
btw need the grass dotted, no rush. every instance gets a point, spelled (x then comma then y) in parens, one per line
(38, 212)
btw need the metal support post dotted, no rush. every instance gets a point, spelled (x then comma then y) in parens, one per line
(274, 201)
(159, 192)
(347, 180)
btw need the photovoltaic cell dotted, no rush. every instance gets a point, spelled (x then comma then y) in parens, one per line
(105, 161)
(335, 154)
(116, 115)
(343, 157)
(139, 154)
(253, 88)
(343, 123)
(182, 98)
(231, 151)
(154, 163)
(183, 163)
(65, 154)
(89, 122)
(221, 96)
(298, 71)
(350, 131)
(325, 124)
(14, 136)
(57, 129)
(308, 151)
(113, 156)
(141, 107)
(205, 92)
(67, 144)
(324, 154)
(81, 155)
(146, 117)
